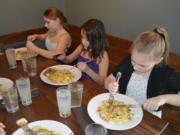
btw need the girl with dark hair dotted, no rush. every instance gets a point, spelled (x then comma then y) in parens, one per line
(91, 54)
(57, 39)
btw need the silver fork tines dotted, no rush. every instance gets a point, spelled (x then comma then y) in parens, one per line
(134, 105)
(118, 76)
(76, 64)
(111, 97)
(27, 129)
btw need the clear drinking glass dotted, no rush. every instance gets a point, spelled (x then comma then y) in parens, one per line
(76, 93)
(64, 101)
(10, 98)
(24, 89)
(95, 129)
(10, 54)
(23, 57)
(31, 65)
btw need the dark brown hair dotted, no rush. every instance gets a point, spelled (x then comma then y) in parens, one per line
(54, 13)
(96, 35)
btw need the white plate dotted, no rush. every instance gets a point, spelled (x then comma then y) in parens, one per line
(73, 69)
(95, 103)
(49, 124)
(7, 83)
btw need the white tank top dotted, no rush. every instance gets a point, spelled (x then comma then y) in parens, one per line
(50, 45)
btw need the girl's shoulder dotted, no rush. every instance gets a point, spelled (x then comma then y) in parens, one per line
(105, 54)
(63, 38)
(63, 35)
(86, 54)
(104, 58)
(163, 67)
(165, 71)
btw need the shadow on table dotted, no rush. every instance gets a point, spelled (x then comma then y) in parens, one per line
(83, 118)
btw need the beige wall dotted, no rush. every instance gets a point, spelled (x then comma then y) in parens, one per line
(124, 18)
(19, 15)
(127, 18)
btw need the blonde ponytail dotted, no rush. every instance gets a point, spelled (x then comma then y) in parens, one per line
(154, 43)
(164, 35)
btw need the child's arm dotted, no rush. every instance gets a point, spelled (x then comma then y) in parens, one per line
(103, 69)
(61, 46)
(37, 36)
(173, 99)
(45, 53)
(110, 82)
(70, 58)
(155, 102)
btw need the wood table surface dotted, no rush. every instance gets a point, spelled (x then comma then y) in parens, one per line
(44, 107)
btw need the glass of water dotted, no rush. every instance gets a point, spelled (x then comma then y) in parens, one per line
(76, 93)
(10, 98)
(10, 54)
(24, 89)
(64, 101)
(31, 64)
(95, 129)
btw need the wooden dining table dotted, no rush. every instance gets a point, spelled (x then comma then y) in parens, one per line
(44, 106)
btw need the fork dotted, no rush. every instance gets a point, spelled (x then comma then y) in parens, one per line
(23, 123)
(27, 129)
(118, 76)
(83, 62)
(132, 105)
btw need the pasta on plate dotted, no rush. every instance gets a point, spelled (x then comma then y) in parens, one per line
(42, 131)
(59, 75)
(115, 111)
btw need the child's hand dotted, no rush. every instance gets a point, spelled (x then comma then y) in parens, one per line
(2, 132)
(32, 37)
(154, 103)
(113, 87)
(30, 45)
(82, 66)
(61, 57)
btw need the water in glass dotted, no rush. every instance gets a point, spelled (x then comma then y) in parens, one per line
(10, 54)
(95, 129)
(10, 98)
(24, 89)
(76, 89)
(64, 101)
